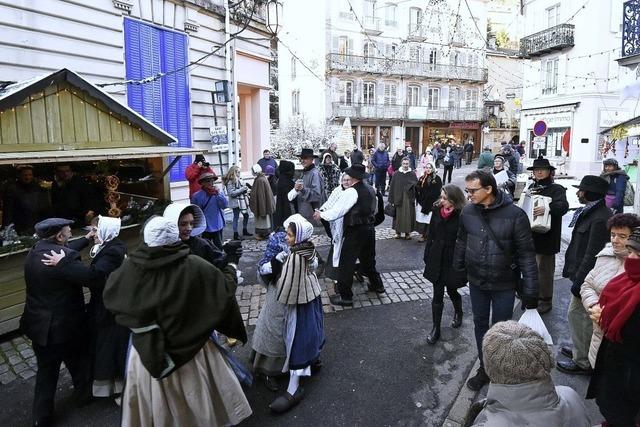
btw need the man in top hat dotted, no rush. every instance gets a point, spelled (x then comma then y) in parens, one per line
(547, 245)
(357, 207)
(54, 318)
(193, 172)
(213, 203)
(307, 191)
(589, 236)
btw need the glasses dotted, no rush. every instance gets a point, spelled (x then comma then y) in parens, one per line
(472, 191)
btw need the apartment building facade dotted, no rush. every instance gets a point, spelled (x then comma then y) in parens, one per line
(405, 72)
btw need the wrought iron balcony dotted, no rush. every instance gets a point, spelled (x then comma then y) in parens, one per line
(630, 28)
(401, 67)
(371, 25)
(405, 112)
(552, 39)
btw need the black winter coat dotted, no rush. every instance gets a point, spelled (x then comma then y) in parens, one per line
(549, 243)
(488, 267)
(438, 252)
(589, 236)
(427, 195)
(207, 251)
(54, 310)
(284, 208)
(617, 374)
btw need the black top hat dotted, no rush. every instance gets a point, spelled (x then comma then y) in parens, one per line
(307, 152)
(541, 163)
(594, 184)
(356, 171)
(50, 226)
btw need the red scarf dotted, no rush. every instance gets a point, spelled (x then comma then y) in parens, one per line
(213, 191)
(446, 213)
(619, 299)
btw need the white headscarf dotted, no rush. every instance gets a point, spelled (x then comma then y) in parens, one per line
(108, 229)
(161, 231)
(174, 210)
(256, 169)
(304, 229)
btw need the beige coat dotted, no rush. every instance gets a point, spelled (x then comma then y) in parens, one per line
(608, 265)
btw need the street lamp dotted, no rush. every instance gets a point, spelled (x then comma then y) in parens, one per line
(274, 12)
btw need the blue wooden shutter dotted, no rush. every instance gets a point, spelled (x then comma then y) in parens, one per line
(148, 51)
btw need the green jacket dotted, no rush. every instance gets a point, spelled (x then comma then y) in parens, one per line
(485, 160)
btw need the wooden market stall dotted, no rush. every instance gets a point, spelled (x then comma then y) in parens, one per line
(61, 119)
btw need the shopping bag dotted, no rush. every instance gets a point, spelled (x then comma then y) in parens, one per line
(532, 319)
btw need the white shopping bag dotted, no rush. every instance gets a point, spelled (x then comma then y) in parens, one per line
(532, 319)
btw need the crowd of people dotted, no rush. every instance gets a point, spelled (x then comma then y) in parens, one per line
(151, 336)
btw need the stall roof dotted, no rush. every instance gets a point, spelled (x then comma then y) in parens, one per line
(630, 122)
(13, 94)
(95, 154)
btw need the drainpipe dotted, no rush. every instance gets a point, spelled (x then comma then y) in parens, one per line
(231, 159)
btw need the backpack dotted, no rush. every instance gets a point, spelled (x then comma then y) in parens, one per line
(629, 194)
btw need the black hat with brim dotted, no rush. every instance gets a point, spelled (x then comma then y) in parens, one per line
(541, 163)
(51, 226)
(356, 171)
(307, 152)
(594, 184)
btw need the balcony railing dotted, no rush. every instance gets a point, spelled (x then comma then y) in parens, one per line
(552, 39)
(417, 32)
(371, 25)
(630, 28)
(407, 112)
(401, 67)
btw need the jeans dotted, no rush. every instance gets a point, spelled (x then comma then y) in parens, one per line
(499, 303)
(447, 170)
(236, 216)
(381, 180)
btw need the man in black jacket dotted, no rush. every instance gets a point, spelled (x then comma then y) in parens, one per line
(495, 247)
(468, 152)
(589, 236)
(54, 319)
(547, 245)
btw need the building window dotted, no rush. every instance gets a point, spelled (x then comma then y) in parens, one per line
(415, 19)
(433, 56)
(346, 92)
(293, 68)
(370, 8)
(454, 98)
(550, 76)
(471, 98)
(369, 52)
(390, 50)
(369, 93)
(433, 99)
(295, 102)
(343, 45)
(415, 53)
(390, 92)
(413, 96)
(553, 15)
(390, 15)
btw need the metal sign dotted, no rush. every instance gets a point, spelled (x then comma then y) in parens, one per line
(218, 135)
(540, 128)
(511, 96)
(539, 142)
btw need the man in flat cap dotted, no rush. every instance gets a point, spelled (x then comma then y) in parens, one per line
(54, 318)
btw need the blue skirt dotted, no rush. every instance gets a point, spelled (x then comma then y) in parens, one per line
(309, 336)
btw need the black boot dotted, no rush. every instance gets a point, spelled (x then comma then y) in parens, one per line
(457, 315)
(245, 232)
(236, 236)
(436, 311)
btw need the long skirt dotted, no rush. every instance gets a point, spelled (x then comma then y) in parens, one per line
(405, 219)
(304, 334)
(109, 359)
(263, 225)
(203, 392)
(269, 351)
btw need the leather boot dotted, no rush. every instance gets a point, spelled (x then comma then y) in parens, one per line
(236, 236)
(436, 311)
(457, 314)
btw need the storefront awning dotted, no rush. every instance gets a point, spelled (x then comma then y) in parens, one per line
(95, 154)
(629, 123)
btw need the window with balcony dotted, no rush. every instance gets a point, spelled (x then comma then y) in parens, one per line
(454, 98)
(369, 93)
(415, 53)
(293, 68)
(471, 98)
(413, 96)
(433, 56)
(390, 19)
(415, 20)
(550, 76)
(346, 92)
(369, 52)
(344, 46)
(433, 99)
(295, 102)
(370, 8)
(390, 93)
(553, 15)
(390, 50)
(630, 33)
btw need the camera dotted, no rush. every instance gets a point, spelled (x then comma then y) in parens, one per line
(205, 164)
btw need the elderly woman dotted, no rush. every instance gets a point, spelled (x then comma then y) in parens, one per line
(108, 339)
(427, 193)
(609, 264)
(505, 179)
(402, 197)
(615, 382)
(438, 254)
(618, 181)
(262, 203)
(172, 302)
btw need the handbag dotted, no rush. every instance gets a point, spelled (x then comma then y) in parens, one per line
(390, 210)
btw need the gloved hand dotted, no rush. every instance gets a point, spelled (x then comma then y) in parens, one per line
(233, 249)
(529, 302)
(575, 290)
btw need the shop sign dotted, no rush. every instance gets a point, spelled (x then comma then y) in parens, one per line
(218, 135)
(464, 125)
(610, 118)
(552, 120)
(539, 142)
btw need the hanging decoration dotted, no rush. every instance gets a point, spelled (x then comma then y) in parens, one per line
(619, 132)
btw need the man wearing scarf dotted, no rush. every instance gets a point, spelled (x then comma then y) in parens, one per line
(308, 192)
(402, 197)
(261, 203)
(615, 383)
(212, 203)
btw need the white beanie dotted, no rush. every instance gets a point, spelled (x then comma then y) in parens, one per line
(161, 231)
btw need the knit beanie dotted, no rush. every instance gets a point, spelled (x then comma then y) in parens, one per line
(514, 354)
(633, 241)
